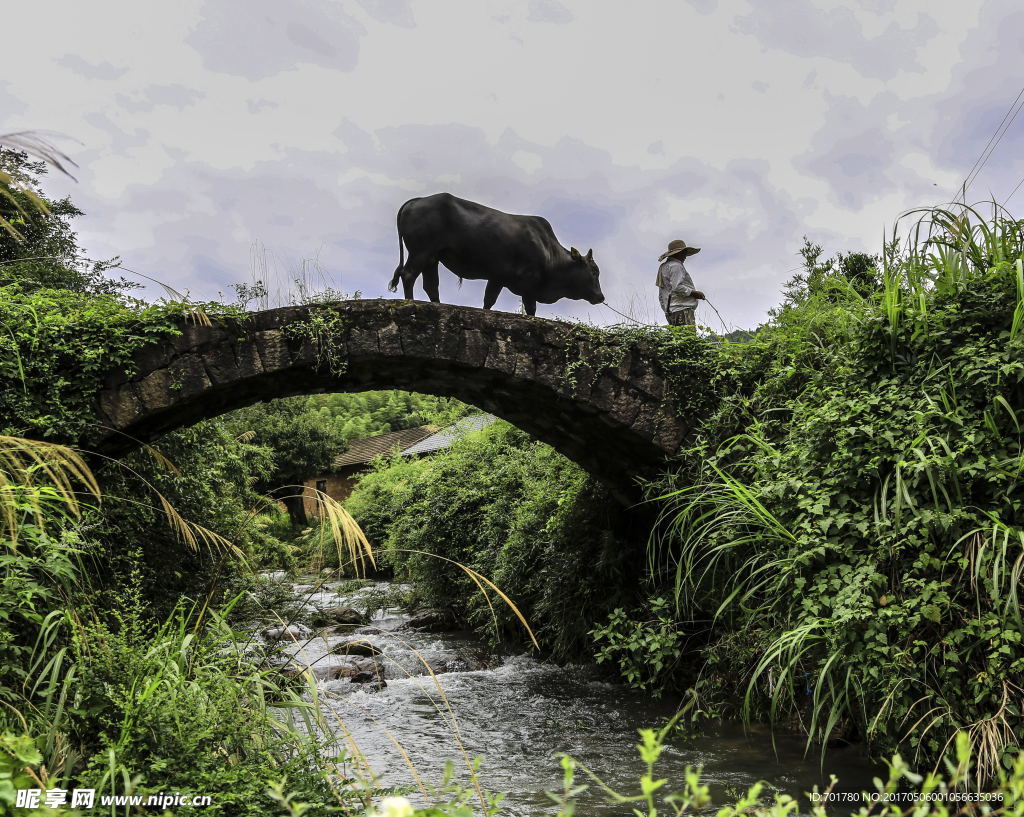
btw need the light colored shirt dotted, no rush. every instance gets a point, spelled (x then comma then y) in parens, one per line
(675, 289)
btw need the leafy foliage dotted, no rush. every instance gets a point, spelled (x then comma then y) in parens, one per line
(849, 518)
(301, 444)
(206, 475)
(56, 346)
(38, 247)
(367, 414)
(515, 511)
(646, 652)
(154, 694)
(686, 363)
(106, 695)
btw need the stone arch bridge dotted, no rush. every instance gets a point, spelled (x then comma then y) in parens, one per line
(601, 405)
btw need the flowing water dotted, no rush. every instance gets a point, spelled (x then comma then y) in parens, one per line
(517, 713)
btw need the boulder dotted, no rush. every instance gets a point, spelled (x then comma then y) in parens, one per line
(360, 648)
(371, 681)
(291, 670)
(340, 671)
(431, 621)
(477, 658)
(341, 615)
(293, 632)
(348, 669)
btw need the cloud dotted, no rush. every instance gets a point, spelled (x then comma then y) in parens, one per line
(853, 152)
(838, 33)
(966, 113)
(92, 70)
(122, 139)
(704, 6)
(257, 105)
(340, 207)
(260, 38)
(397, 12)
(10, 104)
(548, 11)
(173, 96)
(305, 125)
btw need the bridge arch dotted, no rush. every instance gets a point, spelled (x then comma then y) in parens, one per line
(606, 411)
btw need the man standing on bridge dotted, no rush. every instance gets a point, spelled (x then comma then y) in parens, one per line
(676, 291)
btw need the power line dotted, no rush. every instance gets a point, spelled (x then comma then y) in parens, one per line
(995, 137)
(1013, 191)
(993, 142)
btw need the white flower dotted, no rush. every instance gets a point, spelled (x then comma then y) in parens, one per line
(394, 807)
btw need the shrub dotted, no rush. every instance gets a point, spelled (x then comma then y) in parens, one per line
(515, 511)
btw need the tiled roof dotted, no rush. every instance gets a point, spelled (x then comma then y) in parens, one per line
(360, 451)
(446, 436)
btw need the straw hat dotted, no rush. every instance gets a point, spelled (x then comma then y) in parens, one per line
(679, 246)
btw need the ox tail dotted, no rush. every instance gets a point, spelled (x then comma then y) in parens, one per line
(393, 286)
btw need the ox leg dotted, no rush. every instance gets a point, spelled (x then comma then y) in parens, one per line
(491, 294)
(414, 267)
(530, 306)
(431, 280)
(408, 280)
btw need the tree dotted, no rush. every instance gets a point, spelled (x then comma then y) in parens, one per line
(303, 442)
(820, 278)
(38, 246)
(365, 414)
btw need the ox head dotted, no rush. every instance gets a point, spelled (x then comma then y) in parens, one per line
(585, 277)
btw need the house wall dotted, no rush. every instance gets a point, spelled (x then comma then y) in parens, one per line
(339, 485)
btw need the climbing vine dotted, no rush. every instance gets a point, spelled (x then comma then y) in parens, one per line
(57, 346)
(688, 363)
(325, 330)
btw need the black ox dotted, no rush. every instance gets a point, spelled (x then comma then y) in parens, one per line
(518, 253)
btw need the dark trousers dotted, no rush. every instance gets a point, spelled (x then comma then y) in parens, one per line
(681, 317)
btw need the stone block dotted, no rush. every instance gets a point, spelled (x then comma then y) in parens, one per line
(120, 406)
(196, 334)
(155, 355)
(645, 423)
(362, 341)
(473, 348)
(188, 377)
(389, 340)
(154, 390)
(221, 364)
(273, 350)
(502, 353)
(247, 358)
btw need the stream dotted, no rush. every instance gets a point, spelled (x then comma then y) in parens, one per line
(517, 713)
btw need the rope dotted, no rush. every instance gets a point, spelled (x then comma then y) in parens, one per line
(629, 317)
(721, 320)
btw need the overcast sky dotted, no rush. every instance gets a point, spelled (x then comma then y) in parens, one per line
(221, 139)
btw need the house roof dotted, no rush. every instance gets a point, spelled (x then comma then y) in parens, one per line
(364, 450)
(450, 434)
